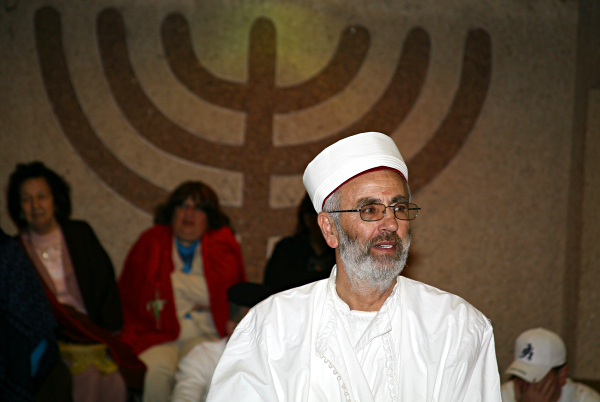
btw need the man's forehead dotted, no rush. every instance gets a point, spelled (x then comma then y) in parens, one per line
(381, 186)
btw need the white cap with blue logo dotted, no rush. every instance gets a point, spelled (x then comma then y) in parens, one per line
(537, 351)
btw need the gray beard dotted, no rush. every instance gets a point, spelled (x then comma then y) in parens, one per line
(366, 272)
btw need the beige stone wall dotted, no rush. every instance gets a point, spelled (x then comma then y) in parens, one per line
(479, 97)
(589, 305)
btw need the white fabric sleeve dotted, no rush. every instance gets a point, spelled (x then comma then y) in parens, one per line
(484, 382)
(508, 391)
(195, 371)
(584, 393)
(243, 373)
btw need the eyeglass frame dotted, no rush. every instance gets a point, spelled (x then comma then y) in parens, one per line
(408, 204)
(196, 207)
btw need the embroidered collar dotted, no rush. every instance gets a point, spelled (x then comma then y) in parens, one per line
(380, 326)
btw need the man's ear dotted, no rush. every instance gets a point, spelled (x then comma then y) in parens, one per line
(328, 229)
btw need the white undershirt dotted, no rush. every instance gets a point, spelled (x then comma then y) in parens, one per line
(189, 290)
(355, 322)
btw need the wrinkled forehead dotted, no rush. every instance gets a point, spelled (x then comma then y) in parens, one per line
(379, 186)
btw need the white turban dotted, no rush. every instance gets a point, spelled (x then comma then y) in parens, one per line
(348, 158)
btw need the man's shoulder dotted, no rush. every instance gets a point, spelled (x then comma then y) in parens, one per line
(289, 308)
(574, 391)
(298, 298)
(438, 305)
(583, 392)
(425, 293)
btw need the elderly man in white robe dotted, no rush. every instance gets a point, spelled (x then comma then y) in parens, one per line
(365, 334)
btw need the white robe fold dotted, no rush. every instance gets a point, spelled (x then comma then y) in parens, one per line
(423, 345)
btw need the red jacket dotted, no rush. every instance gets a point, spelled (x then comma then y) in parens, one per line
(146, 277)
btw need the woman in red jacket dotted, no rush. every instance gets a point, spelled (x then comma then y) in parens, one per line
(174, 283)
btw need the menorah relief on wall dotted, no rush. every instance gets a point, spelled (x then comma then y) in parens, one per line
(260, 99)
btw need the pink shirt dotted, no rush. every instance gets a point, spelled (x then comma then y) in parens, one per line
(51, 251)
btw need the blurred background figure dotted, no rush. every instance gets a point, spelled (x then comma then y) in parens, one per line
(539, 372)
(77, 276)
(174, 283)
(302, 258)
(30, 367)
(196, 369)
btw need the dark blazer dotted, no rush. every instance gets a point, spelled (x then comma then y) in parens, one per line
(96, 280)
(26, 323)
(95, 275)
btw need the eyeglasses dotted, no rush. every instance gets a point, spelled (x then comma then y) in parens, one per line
(405, 211)
(186, 205)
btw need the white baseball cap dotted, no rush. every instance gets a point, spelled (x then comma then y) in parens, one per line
(537, 351)
(347, 158)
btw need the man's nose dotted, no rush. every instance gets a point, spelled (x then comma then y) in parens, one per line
(389, 221)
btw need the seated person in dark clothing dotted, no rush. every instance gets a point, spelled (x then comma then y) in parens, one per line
(79, 282)
(30, 367)
(301, 258)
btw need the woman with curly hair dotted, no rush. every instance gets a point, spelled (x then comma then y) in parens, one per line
(174, 283)
(77, 276)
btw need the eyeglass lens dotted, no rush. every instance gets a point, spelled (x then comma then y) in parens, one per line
(402, 211)
(187, 205)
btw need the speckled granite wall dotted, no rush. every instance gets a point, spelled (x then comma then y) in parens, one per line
(128, 99)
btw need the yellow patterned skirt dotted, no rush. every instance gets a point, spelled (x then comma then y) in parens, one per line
(83, 356)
